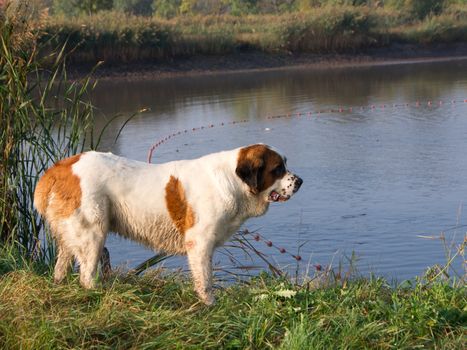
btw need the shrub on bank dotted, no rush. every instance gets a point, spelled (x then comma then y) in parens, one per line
(325, 31)
(446, 28)
(103, 37)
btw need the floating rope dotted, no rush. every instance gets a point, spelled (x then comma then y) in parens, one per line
(372, 107)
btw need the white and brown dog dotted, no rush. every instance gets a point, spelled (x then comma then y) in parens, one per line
(181, 207)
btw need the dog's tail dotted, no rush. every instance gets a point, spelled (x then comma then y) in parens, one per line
(42, 192)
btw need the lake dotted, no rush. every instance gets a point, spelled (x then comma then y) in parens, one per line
(375, 179)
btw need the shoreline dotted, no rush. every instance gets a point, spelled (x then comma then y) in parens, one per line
(247, 62)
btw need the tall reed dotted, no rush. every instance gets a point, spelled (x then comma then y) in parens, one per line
(37, 127)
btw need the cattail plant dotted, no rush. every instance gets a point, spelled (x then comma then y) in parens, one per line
(36, 127)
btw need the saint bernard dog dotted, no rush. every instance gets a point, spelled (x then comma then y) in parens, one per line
(181, 207)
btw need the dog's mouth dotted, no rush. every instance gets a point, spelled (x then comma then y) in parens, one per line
(276, 197)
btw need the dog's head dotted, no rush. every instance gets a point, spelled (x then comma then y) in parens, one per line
(265, 172)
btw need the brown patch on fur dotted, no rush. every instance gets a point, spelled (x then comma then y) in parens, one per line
(256, 165)
(59, 182)
(180, 211)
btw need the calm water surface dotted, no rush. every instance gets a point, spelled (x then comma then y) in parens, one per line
(373, 180)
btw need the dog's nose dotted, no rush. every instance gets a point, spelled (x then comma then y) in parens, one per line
(298, 183)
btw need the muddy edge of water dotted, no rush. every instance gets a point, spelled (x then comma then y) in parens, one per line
(255, 61)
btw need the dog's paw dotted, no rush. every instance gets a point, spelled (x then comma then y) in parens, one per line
(208, 299)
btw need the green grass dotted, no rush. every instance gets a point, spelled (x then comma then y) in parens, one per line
(118, 37)
(162, 311)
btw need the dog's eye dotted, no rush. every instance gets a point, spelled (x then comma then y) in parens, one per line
(279, 170)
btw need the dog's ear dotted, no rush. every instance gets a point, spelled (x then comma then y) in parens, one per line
(249, 171)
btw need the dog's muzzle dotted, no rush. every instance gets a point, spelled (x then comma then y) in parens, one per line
(285, 194)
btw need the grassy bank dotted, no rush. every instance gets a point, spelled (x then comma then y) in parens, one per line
(158, 311)
(118, 37)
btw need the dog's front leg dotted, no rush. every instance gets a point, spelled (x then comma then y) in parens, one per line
(199, 252)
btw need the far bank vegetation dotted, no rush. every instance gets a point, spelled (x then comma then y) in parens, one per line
(147, 30)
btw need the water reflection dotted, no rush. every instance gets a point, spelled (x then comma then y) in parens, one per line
(270, 92)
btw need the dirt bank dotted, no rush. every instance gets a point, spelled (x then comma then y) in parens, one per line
(254, 61)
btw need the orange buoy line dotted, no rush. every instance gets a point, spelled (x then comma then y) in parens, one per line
(372, 107)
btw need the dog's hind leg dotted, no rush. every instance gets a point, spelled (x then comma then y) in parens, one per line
(85, 238)
(63, 264)
(88, 251)
(88, 255)
(89, 229)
